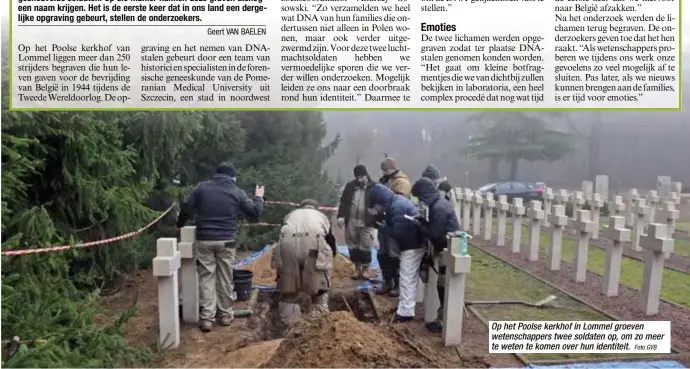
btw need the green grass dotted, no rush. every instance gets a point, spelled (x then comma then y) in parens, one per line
(683, 226)
(491, 279)
(675, 286)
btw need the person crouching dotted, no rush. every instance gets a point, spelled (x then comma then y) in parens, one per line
(303, 258)
(442, 220)
(398, 226)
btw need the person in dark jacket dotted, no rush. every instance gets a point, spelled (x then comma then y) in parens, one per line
(398, 226)
(217, 205)
(442, 220)
(442, 184)
(360, 231)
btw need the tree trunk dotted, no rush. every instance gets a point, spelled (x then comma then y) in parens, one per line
(493, 169)
(513, 169)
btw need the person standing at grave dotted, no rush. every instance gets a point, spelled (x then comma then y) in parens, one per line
(389, 255)
(441, 183)
(394, 178)
(398, 226)
(216, 205)
(360, 231)
(441, 221)
(303, 258)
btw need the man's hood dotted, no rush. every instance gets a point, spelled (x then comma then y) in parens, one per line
(431, 172)
(425, 190)
(381, 195)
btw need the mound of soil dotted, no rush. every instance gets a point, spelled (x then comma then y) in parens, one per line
(252, 356)
(265, 275)
(339, 340)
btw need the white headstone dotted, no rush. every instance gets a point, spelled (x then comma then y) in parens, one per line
(668, 215)
(189, 278)
(677, 187)
(165, 267)
(562, 197)
(652, 201)
(656, 244)
(663, 186)
(518, 212)
(502, 208)
(641, 211)
(456, 196)
(617, 207)
(601, 186)
(558, 220)
(548, 201)
(577, 200)
(536, 216)
(587, 189)
(595, 205)
(457, 269)
(477, 202)
(466, 209)
(583, 224)
(617, 233)
(489, 205)
(630, 199)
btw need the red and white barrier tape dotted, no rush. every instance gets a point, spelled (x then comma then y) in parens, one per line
(88, 244)
(261, 224)
(134, 233)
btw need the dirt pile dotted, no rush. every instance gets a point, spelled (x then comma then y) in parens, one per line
(265, 275)
(340, 340)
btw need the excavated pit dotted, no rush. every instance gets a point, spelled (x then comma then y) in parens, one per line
(266, 320)
(353, 334)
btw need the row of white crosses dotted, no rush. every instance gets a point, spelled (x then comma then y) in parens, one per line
(172, 258)
(656, 243)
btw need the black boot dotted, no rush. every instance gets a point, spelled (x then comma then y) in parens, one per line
(395, 291)
(386, 288)
(437, 325)
(402, 319)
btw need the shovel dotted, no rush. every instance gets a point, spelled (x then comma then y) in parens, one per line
(541, 303)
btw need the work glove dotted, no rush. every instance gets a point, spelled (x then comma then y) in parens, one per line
(341, 222)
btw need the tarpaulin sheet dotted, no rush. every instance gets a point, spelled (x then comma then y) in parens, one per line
(663, 364)
(341, 249)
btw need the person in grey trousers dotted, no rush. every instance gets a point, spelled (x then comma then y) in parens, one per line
(217, 205)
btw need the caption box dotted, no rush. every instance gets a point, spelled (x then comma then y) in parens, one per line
(540, 337)
(250, 54)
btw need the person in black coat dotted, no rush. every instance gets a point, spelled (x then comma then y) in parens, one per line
(359, 223)
(442, 220)
(442, 184)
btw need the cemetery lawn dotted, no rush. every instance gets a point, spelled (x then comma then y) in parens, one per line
(492, 279)
(683, 226)
(675, 285)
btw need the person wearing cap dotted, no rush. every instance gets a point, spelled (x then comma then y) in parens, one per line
(441, 183)
(394, 178)
(216, 206)
(303, 258)
(360, 231)
(388, 254)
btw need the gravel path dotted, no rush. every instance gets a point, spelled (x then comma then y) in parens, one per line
(623, 306)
